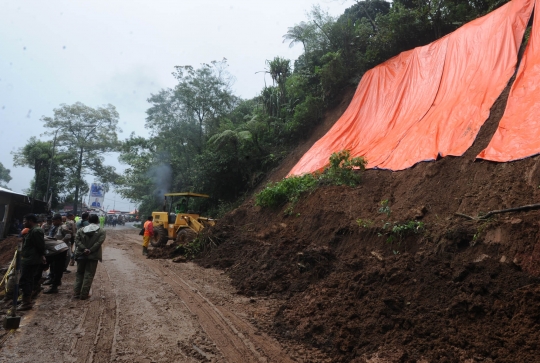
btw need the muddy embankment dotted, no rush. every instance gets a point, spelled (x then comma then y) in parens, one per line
(458, 291)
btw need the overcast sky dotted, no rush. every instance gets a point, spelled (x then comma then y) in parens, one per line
(119, 52)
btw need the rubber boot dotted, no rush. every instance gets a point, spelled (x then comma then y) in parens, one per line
(145, 251)
(51, 290)
(26, 304)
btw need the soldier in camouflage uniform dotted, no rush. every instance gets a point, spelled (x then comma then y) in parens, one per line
(57, 262)
(88, 251)
(46, 226)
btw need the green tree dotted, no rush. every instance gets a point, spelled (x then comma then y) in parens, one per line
(204, 95)
(87, 134)
(36, 155)
(4, 176)
(279, 69)
(138, 183)
(275, 97)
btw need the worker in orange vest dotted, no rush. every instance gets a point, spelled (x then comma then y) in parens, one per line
(148, 233)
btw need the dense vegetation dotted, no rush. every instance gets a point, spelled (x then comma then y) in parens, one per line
(342, 170)
(205, 139)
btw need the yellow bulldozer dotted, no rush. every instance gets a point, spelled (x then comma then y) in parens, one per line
(177, 222)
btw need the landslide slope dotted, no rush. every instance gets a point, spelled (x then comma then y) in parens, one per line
(460, 291)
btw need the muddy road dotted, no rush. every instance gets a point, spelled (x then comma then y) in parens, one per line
(145, 310)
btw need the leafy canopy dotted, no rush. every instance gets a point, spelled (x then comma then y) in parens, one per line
(87, 134)
(4, 176)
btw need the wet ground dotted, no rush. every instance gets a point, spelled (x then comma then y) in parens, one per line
(145, 310)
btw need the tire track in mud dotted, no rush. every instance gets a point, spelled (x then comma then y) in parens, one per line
(260, 345)
(237, 340)
(152, 324)
(84, 341)
(105, 336)
(226, 339)
(94, 335)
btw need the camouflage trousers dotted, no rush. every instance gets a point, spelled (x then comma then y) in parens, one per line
(86, 269)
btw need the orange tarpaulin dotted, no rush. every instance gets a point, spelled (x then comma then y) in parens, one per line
(429, 101)
(518, 134)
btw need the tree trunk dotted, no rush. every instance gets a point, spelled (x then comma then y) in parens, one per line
(79, 169)
(200, 136)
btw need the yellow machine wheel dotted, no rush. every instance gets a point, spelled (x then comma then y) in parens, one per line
(160, 237)
(185, 236)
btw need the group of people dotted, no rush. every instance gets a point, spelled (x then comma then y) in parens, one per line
(113, 220)
(59, 242)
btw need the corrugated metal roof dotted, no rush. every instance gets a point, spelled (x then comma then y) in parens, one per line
(10, 191)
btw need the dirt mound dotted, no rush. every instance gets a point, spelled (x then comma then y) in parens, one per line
(351, 293)
(168, 251)
(428, 307)
(7, 250)
(459, 291)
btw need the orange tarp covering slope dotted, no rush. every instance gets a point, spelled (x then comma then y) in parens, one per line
(518, 134)
(428, 101)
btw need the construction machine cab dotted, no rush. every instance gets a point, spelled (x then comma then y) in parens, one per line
(177, 221)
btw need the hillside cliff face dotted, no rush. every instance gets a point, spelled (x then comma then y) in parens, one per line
(459, 291)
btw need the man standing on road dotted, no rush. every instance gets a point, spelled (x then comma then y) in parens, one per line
(148, 233)
(46, 227)
(32, 258)
(57, 261)
(88, 252)
(83, 222)
(72, 226)
(70, 222)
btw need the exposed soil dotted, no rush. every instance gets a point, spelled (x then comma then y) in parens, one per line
(168, 251)
(8, 247)
(459, 291)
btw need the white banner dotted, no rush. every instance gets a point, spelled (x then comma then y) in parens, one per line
(96, 202)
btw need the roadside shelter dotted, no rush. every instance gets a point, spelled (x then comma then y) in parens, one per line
(13, 206)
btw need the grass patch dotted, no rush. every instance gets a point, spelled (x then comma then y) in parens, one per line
(343, 170)
(398, 231)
